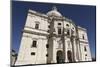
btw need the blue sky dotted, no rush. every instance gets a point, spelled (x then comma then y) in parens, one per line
(84, 16)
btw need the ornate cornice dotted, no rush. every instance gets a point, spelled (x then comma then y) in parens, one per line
(33, 37)
(84, 42)
(81, 28)
(37, 13)
(35, 29)
(36, 33)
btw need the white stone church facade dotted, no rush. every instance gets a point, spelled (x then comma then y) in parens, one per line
(52, 38)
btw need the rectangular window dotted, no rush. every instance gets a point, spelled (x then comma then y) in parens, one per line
(34, 43)
(47, 45)
(32, 53)
(37, 26)
(49, 26)
(68, 33)
(85, 48)
(59, 23)
(83, 36)
(59, 30)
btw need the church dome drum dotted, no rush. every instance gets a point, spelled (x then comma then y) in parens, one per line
(54, 12)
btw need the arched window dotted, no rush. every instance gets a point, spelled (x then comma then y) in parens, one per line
(60, 57)
(69, 55)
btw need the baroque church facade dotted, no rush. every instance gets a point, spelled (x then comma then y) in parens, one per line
(52, 38)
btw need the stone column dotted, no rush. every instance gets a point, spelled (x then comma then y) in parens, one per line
(75, 49)
(78, 50)
(53, 58)
(66, 43)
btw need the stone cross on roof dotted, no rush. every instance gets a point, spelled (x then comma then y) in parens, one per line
(54, 8)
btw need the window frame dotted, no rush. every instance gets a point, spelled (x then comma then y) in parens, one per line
(85, 49)
(37, 24)
(83, 37)
(34, 44)
(47, 45)
(59, 31)
(67, 25)
(32, 53)
(59, 23)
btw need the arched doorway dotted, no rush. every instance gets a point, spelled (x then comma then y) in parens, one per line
(59, 57)
(69, 55)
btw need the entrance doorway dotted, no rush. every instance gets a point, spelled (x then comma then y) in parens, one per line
(59, 57)
(69, 55)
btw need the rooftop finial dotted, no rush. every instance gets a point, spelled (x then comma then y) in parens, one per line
(54, 8)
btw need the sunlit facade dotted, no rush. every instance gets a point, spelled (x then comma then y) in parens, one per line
(52, 38)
